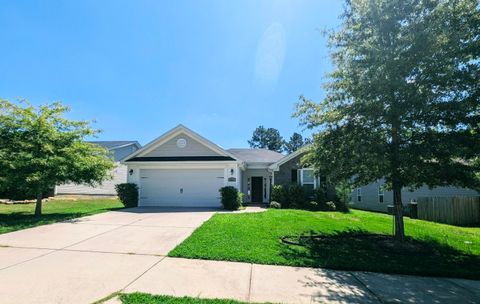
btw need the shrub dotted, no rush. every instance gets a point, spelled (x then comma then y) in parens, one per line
(128, 194)
(330, 206)
(342, 196)
(295, 197)
(275, 205)
(320, 195)
(311, 205)
(231, 198)
(293, 206)
(19, 194)
(278, 194)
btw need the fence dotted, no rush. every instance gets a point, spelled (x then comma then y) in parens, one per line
(460, 210)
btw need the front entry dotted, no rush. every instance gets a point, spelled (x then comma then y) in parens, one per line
(257, 189)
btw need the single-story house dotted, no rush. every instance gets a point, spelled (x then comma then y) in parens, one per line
(118, 150)
(184, 169)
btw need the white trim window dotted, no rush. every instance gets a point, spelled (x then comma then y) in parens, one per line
(307, 178)
(359, 194)
(381, 194)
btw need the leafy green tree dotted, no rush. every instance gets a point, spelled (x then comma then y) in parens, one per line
(296, 142)
(264, 138)
(39, 149)
(403, 100)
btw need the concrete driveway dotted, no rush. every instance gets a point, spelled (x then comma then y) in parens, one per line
(86, 259)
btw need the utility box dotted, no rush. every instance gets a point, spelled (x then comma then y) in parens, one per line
(413, 210)
(390, 209)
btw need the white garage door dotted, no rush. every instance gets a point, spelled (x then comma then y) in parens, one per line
(181, 187)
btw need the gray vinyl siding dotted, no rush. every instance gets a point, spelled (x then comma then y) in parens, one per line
(193, 148)
(123, 152)
(370, 198)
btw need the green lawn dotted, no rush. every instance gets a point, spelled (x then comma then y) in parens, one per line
(256, 237)
(143, 298)
(21, 216)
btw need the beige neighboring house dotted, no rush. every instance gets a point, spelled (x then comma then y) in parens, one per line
(119, 150)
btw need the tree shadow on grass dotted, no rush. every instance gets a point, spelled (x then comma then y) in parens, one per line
(23, 219)
(363, 251)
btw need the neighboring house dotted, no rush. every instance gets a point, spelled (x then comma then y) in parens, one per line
(119, 150)
(374, 197)
(369, 197)
(181, 168)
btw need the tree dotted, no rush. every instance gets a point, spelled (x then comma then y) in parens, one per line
(403, 100)
(266, 139)
(40, 149)
(296, 142)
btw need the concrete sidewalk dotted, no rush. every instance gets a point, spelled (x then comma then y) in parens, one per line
(87, 259)
(281, 284)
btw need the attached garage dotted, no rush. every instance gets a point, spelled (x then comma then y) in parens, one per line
(182, 169)
(181, 187)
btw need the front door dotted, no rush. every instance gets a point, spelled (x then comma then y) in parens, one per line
(257, 189)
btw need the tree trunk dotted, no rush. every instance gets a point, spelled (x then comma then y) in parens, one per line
(398, 212)
(397, 184)
(38, 204)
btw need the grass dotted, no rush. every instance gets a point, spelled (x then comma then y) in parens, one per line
(143, 298)
(21, 216)
(256, 237)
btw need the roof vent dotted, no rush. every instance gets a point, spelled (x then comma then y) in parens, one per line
(181, 142)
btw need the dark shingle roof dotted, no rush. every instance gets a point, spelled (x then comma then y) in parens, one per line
(178, 158)
(256, 155)
(113, 143)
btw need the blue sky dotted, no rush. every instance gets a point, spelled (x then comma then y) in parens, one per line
(139, 68)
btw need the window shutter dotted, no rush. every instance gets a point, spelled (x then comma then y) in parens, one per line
(294, 176)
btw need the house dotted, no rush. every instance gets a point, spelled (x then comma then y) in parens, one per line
(182, 168)
(119, 150)
(374, 197)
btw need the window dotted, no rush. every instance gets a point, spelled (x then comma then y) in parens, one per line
(308, 176)
(307, 179)
(359, 194)
(380, 194)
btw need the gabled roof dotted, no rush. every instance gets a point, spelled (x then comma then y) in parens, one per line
(115, 144)
(256, 155)
(290, 156)
(174, 132)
